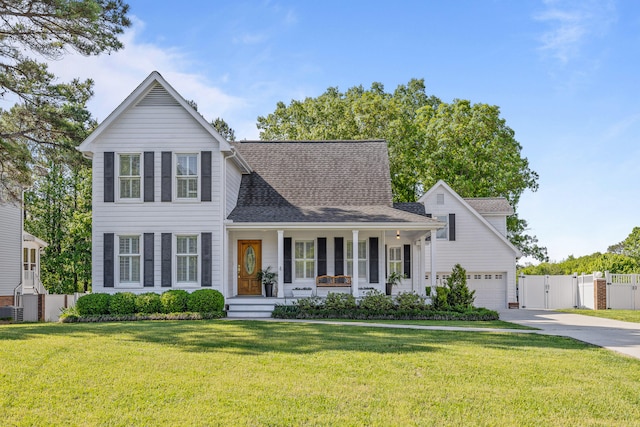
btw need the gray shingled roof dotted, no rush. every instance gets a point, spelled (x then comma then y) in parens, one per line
(489, 205)
(317, 181)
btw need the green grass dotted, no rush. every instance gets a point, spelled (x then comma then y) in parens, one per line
(491, 324)
(280, 374)
(624, 315)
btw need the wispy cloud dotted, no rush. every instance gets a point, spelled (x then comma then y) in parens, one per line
(118, 74)
(571, 24)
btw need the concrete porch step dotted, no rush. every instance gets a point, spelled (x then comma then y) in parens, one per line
(251, 307)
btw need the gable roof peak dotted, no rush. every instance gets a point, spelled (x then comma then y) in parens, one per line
(160, 93)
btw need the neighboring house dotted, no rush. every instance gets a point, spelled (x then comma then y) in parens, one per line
(19, 256)
(476, 238)
(176, 206)
(10, 249)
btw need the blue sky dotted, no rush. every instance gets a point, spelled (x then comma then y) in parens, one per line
(564, 74)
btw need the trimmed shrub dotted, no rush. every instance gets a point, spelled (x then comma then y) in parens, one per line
(174, 301)
(459, 297)
(410, 301)
(310, 303)
(376, 301)
(122, 303)
(205, 301)
(440, 300)
(339, 301)
(148, 303)
(93, 304)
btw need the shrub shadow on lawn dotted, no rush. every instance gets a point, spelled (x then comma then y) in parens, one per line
(256, 337)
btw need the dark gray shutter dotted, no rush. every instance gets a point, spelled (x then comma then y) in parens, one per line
(149, 176)
(206, 259)
(148, 259)
(109, 176)
(287, 260)
(108, 260)
(205, 160)
(452, 227)
(407, 261)
(374, 276)
(165, 183)
(322, 256)
(338, 256)
(165, 262)
(429, 236)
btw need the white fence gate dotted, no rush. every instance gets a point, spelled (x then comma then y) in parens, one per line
(622, 291)
(585, 291)
(548, 292)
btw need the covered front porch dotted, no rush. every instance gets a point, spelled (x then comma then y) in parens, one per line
(365, 254)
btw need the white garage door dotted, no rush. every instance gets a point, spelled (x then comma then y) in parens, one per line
(491, 289)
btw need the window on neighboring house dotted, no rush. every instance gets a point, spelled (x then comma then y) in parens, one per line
(443, 233)
(129, 254)
(187, 176)
(395, 259)
(187, 259)
(362, 258)
(129, 176)
(305, 259)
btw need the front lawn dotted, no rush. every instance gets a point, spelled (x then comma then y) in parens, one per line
(275, 373)
(489, 324)
(624, 315)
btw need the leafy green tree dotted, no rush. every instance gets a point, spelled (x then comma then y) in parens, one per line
(224, 129)
(46, 112)
(467, 145)
(614, 263)
(631, 245)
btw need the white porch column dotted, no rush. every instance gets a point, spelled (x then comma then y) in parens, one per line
(423, 266)
(227, 290)
(434, 269)
(280, 264)
(354, 275)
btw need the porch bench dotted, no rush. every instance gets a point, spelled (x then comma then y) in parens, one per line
(333, 281)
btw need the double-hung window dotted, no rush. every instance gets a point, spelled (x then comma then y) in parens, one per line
(129, 259)
(187, 259)
(395, 259)
(443, 233)
(362, 258)
(129, 176)
(187, 176)
(305, 259)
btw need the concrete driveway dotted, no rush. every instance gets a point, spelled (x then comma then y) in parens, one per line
(623, 337)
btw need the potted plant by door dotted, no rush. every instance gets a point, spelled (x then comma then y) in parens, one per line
(393, 280)
(268, 279)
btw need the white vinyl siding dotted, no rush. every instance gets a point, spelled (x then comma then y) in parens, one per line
(187, 259)
(395, 259)
(129, 259)
(10, 247)
(129, 176)
(305, 259)
(362, 258)
(187, 176)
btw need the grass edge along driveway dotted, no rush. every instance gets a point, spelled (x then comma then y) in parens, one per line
(274, 373)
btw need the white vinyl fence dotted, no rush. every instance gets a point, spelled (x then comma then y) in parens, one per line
(553, 292)
(622, 291)
(548, 292)
(49, 304)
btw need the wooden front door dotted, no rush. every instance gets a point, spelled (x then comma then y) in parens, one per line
(249, 262)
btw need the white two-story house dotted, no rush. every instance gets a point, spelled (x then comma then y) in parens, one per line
(176, 206)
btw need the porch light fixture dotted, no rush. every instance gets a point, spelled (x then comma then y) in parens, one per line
(398, 234)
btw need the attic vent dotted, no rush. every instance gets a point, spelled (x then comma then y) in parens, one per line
(158, 97)
(440, 199)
